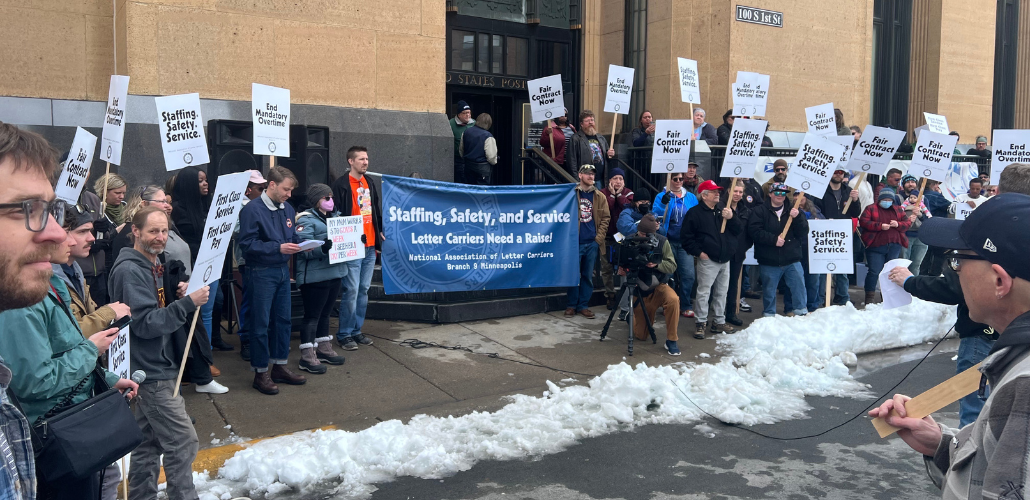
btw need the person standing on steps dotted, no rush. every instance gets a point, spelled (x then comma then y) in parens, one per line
(319, 282)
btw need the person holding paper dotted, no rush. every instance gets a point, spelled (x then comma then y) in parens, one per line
(51, 357)
(588, 147)
(269, 237)
(883, 227)
(643, 134)
(702, 129)
(319, 282)
(779, 256)
(973, 197)
(984, 459)
(255, 187)
(159, 316)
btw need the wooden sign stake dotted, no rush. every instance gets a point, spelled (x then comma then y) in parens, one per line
(922, 186)
(186, 354)
(550, 135)
(829, 287)
(733, 204)
(797, 203)
(611, 143)
(861, 179)
(941, 395)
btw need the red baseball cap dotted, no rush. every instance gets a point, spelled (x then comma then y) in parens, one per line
(707, 186)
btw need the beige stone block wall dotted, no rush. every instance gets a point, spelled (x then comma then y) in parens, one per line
(387, 55)
(56, 48)
(822, 54)
(966, 83)
(603, 42)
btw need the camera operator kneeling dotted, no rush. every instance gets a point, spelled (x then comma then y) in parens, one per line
(653, 279)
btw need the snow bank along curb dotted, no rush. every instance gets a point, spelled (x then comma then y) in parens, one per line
(763, 377)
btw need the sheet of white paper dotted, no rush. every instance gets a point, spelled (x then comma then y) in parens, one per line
(346, 234)
(962, 210)
(118, 354)
(893, 295)
(309, 245)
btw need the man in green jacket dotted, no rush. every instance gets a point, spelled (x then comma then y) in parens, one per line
(55, 363)
(461, 122)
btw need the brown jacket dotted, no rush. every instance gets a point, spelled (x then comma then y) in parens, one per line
(601, 215)
(91, 319)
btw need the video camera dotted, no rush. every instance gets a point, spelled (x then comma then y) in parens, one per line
(636, 252)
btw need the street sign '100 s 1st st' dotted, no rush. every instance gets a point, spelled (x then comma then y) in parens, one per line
(760, 16)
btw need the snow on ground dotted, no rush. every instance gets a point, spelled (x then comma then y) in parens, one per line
(763, 377)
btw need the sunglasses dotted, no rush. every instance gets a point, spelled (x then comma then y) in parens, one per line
(955, 259)
(677, 179)
(779, 193)
(779, 170)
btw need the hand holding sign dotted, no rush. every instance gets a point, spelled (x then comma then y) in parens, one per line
(546, 99)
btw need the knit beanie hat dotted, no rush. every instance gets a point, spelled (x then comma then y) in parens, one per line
(648, 224)
(617, 171)
(886, 194)
(642, 194)
(316, 192)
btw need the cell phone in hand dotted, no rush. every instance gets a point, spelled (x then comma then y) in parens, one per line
(120, 322)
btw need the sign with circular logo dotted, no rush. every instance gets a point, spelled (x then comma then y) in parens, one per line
(207, 273)
(549, 114)
(805, 185)
(109, 151)
(271, 146)
(737, 170)
(187, 158)
(830, 266)
(866, 167)
(670, 166)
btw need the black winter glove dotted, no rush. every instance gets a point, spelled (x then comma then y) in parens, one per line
(666, 198)
(328, 245)
(102, 226)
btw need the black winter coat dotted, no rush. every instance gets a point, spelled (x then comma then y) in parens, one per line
(344, 202)
(831, 209)
(764, 227)
(945, 289)
(700, 233)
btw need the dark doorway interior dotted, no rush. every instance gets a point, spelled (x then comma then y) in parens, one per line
(501, 108)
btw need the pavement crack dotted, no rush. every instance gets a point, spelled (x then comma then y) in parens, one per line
(417, 374)
(538, 363)
(221, 412)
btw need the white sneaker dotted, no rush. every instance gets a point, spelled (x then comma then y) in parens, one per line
(213, 388)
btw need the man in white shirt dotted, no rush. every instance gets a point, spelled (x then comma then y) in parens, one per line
(973, 198)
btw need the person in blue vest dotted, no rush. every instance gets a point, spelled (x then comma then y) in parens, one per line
(478, 149)
(269, 237)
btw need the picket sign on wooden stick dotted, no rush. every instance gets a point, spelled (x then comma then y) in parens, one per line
(733, 204)
(611, 143)
(103, 200)
(829, 287)
(740, 282)
(941, 395)
(668, 189)
(861, 179)
(550, 135)
(186, 353)
(797, 203)
(922, 186)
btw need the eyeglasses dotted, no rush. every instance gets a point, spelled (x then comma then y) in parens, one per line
(38, 212)
(677, 179)
(954, 260)
(781, 169)
(80, 208)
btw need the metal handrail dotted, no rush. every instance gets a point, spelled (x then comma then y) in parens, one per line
(634, 172)
(554, 165)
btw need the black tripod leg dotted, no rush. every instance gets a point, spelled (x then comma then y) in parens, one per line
(629, 346)
(607, 324)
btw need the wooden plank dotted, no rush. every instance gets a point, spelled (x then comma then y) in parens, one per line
(941, 395)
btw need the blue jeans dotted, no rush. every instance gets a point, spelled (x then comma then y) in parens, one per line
(684, 275)
(208, 308)
(916, 252)
(269, 315)
(791, 273)
(244, 330)
(745, 284)
(875, 258)
(579, 296)
(813, 284)
(840, 289)
(971, 350)
(354, 303)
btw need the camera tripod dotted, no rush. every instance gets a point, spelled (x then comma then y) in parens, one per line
(633, 289)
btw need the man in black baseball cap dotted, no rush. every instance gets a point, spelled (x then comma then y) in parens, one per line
(461, 122)
(989, 253)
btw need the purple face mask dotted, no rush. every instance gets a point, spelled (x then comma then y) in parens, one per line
(326, 205)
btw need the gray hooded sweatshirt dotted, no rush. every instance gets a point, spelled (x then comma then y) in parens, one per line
(134, 281)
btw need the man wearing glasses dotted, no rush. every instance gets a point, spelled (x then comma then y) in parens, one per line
(779, 177)
(30, 220)
(987, 458)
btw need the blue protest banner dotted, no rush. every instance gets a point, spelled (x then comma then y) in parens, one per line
(445, 237)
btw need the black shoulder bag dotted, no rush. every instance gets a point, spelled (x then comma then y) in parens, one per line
(78, 440)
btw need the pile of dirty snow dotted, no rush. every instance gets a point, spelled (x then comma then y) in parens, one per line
(763, 377)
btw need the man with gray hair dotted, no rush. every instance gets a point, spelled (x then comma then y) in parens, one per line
(478, 149)
(1015, 179)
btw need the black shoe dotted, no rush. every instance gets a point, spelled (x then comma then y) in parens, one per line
(733, 320)
(361, 339)
(219, 345)
(245, 351)
(751, 295)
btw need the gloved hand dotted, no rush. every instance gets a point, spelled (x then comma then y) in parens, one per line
(328, 245)
(666, 198)
(102, 226)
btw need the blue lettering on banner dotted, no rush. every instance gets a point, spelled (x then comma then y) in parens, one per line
(445, 237)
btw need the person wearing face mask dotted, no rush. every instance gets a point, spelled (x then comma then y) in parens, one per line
(626, 224)
(319, 282)
(883, 227)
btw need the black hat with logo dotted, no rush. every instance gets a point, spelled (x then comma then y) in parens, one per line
(998, 230)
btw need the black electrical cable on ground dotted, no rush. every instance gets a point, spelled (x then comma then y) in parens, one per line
(419, 344)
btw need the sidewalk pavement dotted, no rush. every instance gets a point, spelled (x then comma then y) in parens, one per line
(389, 380)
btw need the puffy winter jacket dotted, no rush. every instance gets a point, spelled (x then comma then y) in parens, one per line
(873, 234)
(765, 226)
(700, 233)
(313, 266)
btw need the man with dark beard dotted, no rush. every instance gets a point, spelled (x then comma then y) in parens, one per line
(137, 279)
(31, 225)
(588, 147)
(779, 177)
